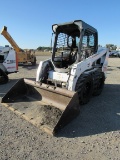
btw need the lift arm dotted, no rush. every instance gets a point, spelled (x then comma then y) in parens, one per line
(10, 39)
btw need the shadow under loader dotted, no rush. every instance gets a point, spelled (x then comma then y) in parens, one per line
(46, 107)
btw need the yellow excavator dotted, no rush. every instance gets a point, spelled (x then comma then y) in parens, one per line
(24, 57)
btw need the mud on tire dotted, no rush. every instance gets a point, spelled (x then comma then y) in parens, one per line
(84, 87)
(98, 82)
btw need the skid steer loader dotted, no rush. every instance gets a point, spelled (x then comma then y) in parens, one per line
(8, 63)
(75, 72)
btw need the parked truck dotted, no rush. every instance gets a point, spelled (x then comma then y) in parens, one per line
(8, 63)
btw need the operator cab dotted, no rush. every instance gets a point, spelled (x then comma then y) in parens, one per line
(66, 55)
(73, 42)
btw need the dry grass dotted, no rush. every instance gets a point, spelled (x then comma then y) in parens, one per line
(38, 53)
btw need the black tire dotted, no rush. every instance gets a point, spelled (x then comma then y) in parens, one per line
(84, 87)
(98, 82)
(3, 77)
(34, 62)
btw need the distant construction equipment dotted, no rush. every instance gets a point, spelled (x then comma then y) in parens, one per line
(24, 57)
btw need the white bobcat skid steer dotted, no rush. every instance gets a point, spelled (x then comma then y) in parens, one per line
(8, 63)
(77, 64)
(75, 72)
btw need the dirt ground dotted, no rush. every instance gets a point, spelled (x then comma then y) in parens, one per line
(94, 134)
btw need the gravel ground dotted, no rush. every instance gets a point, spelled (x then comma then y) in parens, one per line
(94, 134)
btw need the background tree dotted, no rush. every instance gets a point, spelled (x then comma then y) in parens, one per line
(43, 48)
(39, 48)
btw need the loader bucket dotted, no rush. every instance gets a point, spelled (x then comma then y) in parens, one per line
(46, 107)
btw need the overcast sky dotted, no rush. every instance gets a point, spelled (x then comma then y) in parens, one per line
(29, 21)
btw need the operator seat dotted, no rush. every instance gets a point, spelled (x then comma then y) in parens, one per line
(73, 56)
